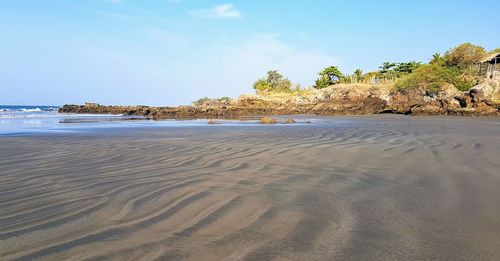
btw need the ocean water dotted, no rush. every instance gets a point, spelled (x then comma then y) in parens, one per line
(18, 119)
(21, 119)
(27, 111)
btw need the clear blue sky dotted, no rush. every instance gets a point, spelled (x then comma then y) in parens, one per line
(169, 52)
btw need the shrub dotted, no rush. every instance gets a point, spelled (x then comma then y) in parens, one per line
(464, 84)
(432, 77)
(261, 85)
(206, 100)
(345, 79)
(224, 99)
(201, 101)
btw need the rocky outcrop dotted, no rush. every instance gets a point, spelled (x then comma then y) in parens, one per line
(480, 101)
(343, 99)
(94, 108)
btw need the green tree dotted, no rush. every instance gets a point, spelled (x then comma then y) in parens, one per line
(389, 69)
(406, 68)
(386, 67)
(359, 74)
(274, 78)
(329, 76)
(437, 58)
(464, 55)
(274, 81)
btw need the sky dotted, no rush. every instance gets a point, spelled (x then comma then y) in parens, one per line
(171, 52)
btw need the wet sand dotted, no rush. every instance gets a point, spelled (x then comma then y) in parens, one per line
(352, 188)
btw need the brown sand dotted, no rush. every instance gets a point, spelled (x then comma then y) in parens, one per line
(362, 188)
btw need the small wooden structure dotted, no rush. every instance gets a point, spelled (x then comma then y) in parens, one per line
(489, 66)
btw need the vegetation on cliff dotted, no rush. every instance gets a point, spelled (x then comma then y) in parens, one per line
(446, 85)
(433, 77)
(454, 67)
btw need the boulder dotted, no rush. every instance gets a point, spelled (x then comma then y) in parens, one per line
(450, 91)
(268, 120)
(487, 92)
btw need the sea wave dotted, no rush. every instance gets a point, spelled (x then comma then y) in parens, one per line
(31, 110)
(19, 111)
(53, 114)
(21, 108)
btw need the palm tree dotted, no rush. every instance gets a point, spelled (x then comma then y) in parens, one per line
(436, 58)
(359, 74)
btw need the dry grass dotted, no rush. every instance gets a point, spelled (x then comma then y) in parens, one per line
(363, 86)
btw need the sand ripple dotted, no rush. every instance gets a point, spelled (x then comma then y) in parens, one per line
(379, 188)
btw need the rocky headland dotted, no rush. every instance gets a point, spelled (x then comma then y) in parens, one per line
(341, 99)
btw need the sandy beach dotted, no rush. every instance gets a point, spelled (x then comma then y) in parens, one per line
(348, 188)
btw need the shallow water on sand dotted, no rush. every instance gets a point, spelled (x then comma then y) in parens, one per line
(34, 121)
(342, 188)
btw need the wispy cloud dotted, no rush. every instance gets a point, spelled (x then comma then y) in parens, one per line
(227, 11)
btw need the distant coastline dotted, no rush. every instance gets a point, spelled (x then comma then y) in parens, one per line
(464, 81)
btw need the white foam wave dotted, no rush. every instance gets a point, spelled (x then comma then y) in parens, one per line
(51, 114)
(31, 110)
